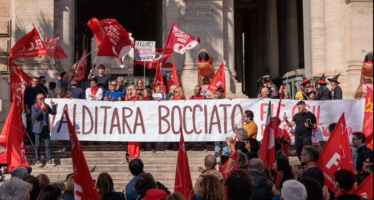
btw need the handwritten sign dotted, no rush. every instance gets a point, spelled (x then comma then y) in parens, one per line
(145, 51)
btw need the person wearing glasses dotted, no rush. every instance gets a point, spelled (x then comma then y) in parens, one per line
(43, 89)
(362, 151)
(29, 100)
(178, 94)
(131, 94)
(40, 112)
(112, 94)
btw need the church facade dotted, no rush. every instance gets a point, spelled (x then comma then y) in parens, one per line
(251, 37)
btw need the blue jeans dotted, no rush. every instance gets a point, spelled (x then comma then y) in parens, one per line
(217, 149)
(47, 142)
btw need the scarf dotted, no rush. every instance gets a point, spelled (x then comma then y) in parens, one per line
(40, 106)
(146, 99)
(94, 90)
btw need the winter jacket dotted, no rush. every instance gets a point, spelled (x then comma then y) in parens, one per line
(363, 153)
(262, 186)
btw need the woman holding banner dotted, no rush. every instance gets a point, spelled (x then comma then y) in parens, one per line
(131, 94)
(178, 95)
(147, 96)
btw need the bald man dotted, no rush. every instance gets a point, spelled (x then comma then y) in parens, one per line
(262, 186)
(210, 163)
(40, 112)
(264, 93)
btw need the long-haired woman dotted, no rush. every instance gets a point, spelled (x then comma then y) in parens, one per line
(179, 94)
(105, 188)
(211, 188)
(147, 96)
(171, 92)
(133, 147)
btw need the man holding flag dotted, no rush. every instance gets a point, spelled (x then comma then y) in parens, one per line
(305, 122)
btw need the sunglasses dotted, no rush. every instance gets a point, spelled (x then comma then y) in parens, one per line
(176, 91)
(44, 81)
(113, 85)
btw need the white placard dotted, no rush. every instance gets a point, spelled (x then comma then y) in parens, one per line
(145, 51)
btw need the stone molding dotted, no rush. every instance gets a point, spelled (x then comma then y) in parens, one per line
(349, 1)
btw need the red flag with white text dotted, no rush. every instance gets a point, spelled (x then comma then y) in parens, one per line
(268, 144)
(365, 190)
(99, 28)
(180, 41)
(116, 42)
(336, 154)
(219, 80)
(81, 68)
(183, 181)
(51, 45)
(30, 46)
(15, 155)
(368, 119)
(84, 187)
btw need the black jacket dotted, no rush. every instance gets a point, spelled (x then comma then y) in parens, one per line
(349, 197)
(323, 93)
(363, 154)
(262, 186)
(336, 93)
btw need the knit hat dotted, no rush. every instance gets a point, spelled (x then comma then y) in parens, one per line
(155, 194)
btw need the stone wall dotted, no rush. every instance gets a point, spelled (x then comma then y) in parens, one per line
(5, 32)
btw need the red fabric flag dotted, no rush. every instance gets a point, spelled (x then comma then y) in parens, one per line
(336, 154)
(180, 41)
(230, 166)
(51, 45)
(116, 43)
(30, 46)
(15, 156)
(219, 80)
(60, 53)
(175, 73)
(277, 132)
(161, 56)
(99, 29)
(19, 80)
(183, 181)
(368, 119)
(159, 79)
(268, 146)
(365, 190)
(81, 69)
(84, 187)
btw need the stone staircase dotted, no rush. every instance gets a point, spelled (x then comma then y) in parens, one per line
(112, 159)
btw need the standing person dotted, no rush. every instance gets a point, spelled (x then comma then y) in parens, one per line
(76, 92)
(197, 96)
(336, 91)
(41, 127)
(41, 85)
(239, 186)
(305, 122)
(102, 79)
(147, 96)
(53, 91)
(133, 147)
(205, 89)
(210, 163)
(94, 93)
(299, 95)
(264, 93)
(309, 90)
(309, 158)
(121, 86)
(65, 93)
(197, 93)
(262, 186)
(178, 94)
(105, 188)
(131, 94)
(112, 94)
(284, 138)
(158, 95)
(136, 168)
(211, 188)
(29, 99)
(219, 93)
(171, 92)
(283, 165)
(323, 93)
(217, 145)
(249, 124)
(362, 151)
(343, 185)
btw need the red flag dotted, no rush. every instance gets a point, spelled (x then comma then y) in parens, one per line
(159, 80)
(30, 46)
(268, 146)
(51, 45)
(84, 187)
(15, 155)
(183, 181)
(219, 80)
(180, 41)
(81, 69)
(99, 29)
(175, 73)
(278, 133)
(336, 154)
(116, 42)
(365, 190)
(60, 53)
(368, 120)
(230, 166)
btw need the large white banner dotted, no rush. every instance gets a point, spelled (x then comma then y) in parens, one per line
(200, 120)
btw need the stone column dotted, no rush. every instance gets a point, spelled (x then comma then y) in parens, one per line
(229, 36)
(307, 38)
(65, 20)
(317, 20)
(292, 38)
(272, 46)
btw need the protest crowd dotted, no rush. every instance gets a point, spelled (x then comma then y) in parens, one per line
(244, 169)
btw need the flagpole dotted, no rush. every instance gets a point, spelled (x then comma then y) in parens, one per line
(144, 73)
(87, 55)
